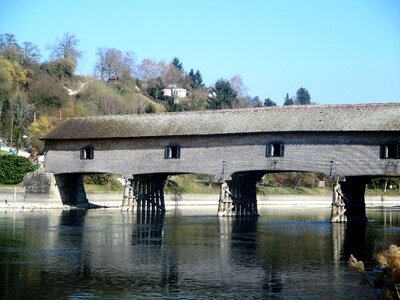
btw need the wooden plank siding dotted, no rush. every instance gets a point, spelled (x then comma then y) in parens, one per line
(341, 140)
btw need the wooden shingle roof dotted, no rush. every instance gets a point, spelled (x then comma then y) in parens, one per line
(317, 118)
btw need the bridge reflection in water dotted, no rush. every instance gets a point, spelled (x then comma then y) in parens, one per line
(112, 253)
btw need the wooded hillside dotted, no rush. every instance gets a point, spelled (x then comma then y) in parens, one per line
(37, 94)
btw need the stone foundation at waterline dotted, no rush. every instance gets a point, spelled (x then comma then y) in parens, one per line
(40, 187)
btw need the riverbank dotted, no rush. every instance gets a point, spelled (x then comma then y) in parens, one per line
(14, 197)
(173, 201)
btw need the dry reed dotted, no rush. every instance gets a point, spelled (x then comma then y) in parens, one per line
(390, 259)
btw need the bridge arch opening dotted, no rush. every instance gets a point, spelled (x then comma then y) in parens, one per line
(192, 183)
(295, 182)
(237, 192)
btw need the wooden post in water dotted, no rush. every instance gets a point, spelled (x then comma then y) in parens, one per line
(149, 192)
(238, 196)
(338, 204)
(142, 192)
(225, 206)
(161, 191)
(128, 199)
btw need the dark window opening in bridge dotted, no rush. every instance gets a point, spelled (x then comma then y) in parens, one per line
(87, 153)
(390, 151)
(275, 149)
(173, 151)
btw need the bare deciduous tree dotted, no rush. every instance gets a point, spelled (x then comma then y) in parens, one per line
(239, 87)
(197, 99)
(149, 69)
(66, 47)
(114, 64)
(30, 52)
(9, 47)
(173, 76)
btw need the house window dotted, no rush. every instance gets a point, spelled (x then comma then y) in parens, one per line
(87, 153)
(275, 149)
(172, 151)
(391, 150)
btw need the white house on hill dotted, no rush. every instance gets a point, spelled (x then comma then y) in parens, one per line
(178, 93)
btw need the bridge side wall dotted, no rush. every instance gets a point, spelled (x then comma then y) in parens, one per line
(335, 154)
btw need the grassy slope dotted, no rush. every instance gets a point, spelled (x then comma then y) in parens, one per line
(89, 89)
(140, 97)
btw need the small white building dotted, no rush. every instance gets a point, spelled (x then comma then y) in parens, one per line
(178, 93)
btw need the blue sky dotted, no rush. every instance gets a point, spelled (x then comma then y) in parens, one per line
(343, 51)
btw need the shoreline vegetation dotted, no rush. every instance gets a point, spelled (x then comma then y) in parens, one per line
(194, 184)
(199, 184)
(184, 185)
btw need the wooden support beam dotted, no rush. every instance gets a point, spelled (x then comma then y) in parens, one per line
(338, 204)
(149, 192)
(129, 198)
(238, 196)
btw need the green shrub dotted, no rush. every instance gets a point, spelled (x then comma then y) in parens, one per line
(13, 168)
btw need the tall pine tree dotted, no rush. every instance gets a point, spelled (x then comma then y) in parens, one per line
(175, 62)
(269, 102)
(288, 100)
(222, 95)
(303, 96)
(196, 80)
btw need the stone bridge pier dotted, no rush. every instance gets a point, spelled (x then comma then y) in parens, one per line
(238, 196)
(71, 189)
(354, 198)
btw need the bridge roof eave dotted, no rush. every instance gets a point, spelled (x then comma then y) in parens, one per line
(99, 138)
(318, 118)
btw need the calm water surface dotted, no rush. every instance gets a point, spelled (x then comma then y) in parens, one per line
(187, 254)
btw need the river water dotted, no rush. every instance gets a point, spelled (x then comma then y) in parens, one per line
(286, 253)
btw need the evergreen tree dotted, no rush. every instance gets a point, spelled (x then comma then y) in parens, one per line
(171, 106)
(222, 95)
(196, 80)
(269, 102)
(199, 79)
(256, 102)
(303, 97)
(192, 79)
(288, 100)
(177, 64)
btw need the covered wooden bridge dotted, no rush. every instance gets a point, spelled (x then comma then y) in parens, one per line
(352, 143)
